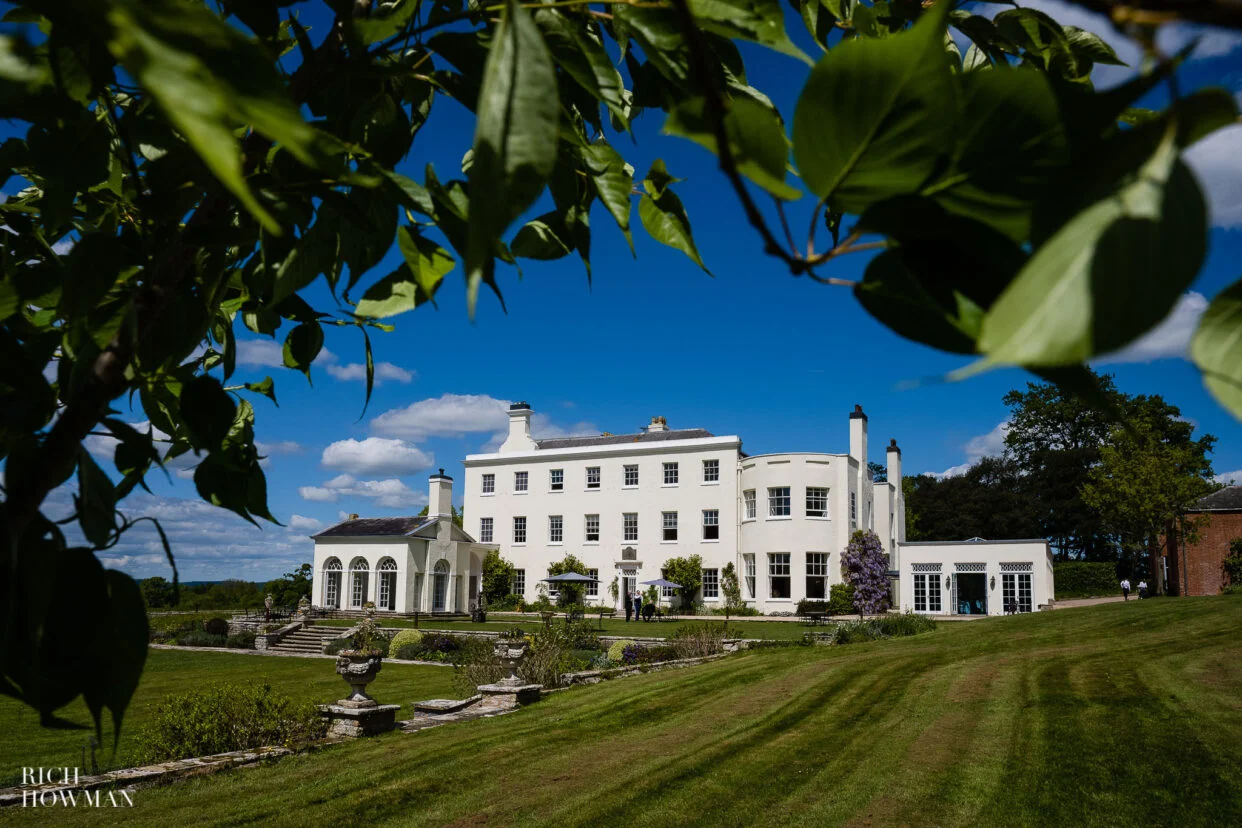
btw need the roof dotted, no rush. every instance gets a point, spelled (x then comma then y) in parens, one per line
(371, 527)
(618, 439)
(973, 542)
(1224, 500)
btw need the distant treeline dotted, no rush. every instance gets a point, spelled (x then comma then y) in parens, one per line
(230, 594)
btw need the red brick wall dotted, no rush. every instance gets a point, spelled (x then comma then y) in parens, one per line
(1205, 559)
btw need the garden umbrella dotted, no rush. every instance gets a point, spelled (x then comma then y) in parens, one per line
(571, 578)
(662, 582)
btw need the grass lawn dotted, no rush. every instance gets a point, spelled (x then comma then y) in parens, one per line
(777, 630)
(1124, 713)
(24, 743)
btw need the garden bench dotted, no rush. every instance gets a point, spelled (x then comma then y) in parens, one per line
(816, 619)
(611, 613)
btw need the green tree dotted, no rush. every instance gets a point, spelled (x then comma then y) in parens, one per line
(287, 590)
(157, 592)
(878, 472)
(731, 589)
(1150, 473)
(990, 500)
(458, 516)
(688, 572)
(497, 577)
(178, 171)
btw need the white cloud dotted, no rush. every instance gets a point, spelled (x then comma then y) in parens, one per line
(299, 523)
(991, 444)
(1214, 161)
(1233, 478)
(269, 353)
(383, 371)
(1171, 338)
(279, 447)
(391, 493)
(376, 456)
(457, 415)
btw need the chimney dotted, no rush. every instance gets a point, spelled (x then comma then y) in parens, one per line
(519, 429)
(894, 464)
(440, 498)
(353, 516)
(657, 424)
(858, 436)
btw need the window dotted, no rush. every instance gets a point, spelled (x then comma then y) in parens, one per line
(816, 502)
(711, 471)
(670, 526)
(927, 592)
(711, 524)
(631, 476)
(748, 563)
(519, 582)
(592, 477)
(592, 528)
(670, 474)
(817, 575)
(485, 530)
(629, 526)
(592, 588)
(489, 484)
(711, 583)
(556, 529)
(1017, 590)
(556, 480)
(778, 501)
(520, 481)
(778, 575)
(387, 584)
(519, 530)
(748, 498)
(853, 509)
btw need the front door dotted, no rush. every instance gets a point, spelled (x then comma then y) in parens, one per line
(439, 600)
(629, 583)
(971, 594)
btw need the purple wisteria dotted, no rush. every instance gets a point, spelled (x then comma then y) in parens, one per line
(866, 567)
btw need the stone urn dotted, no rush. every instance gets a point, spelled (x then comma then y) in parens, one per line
(358, 669)
(510, 652)
(304, 607)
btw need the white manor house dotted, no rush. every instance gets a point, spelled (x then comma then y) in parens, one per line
(624, 504)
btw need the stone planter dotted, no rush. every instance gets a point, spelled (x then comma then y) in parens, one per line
(358, 670)
(510, 653)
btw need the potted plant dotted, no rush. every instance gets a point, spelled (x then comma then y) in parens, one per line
(510, 651)
(360, 664)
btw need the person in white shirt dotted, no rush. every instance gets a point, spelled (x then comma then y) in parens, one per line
(1125, 588)
(1142, 589)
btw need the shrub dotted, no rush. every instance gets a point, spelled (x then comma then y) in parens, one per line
(807, 605)
(841, 599)
(243, 640)
(614, 652)
(200, 639)
(508, 602)
(402, 639)
(887, 626)
(1084, 579)
(337, 644)
(225, 718)
(216, 626)
(1233, 562)
(740, 611)
(696, 640)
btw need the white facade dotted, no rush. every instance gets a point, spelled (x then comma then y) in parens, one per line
(423, 564)
(975, 577)
(624, 504)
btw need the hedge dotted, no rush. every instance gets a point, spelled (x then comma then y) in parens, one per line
(1080, 579)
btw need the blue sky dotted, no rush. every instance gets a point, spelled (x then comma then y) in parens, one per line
(750, 351)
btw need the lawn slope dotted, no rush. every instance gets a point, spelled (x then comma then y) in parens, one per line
(1116, 714)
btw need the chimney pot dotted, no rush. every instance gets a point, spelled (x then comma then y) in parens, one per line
(353, 516)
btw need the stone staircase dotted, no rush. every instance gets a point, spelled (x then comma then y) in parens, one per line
(307, 640)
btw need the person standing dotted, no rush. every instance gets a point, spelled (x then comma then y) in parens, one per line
(629, 606)
(1142, 589)
(638, 605)
(1125, 588)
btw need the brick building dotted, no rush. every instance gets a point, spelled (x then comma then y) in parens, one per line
(1198, 568)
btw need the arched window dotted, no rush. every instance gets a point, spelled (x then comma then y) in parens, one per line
(387, 570)
(439, 583)
(332, 583)
(358, 582)
(442, 566)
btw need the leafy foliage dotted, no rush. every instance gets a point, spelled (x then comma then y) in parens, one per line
(1084, 579)
(497, 578)
(688, 572)
(866, 569)
(731, 590)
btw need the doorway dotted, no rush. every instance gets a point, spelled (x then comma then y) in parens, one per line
(439, 586)
(629, 583)
(972, 593)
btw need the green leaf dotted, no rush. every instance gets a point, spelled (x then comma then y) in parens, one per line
(412, 284)
(876, 115)
(383, 26)
(220, 484)
(302, 345)
(515, 136)
(756, 138)
(1110, 273)
(658, 31)
(96, 500)
(612, 180)
(545, 238)
(208, 411)
(761, 21)
(663, 215)
(266, 387)
(1010, 143)
(120, 633)
(1090, 46)
(579, 51)
(209, 77)
(1217, 348)
(370, 363)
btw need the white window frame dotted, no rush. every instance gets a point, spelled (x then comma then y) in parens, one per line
(778, 501)
(589, 521)
(518, 586)
(592, 478)
(625, 476)
(711, 584)
(779, 569)
(672, 474)
(592, 587)
(521, 482)
(711, 472)
(748, 566)
(668, 523)
(556, 529)
(487, 529)
(817, 567)
(711, 521)
(629, 527)
(519, 530)
(556, 480)
(749, 507)
(817, 502)
(488, 484)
